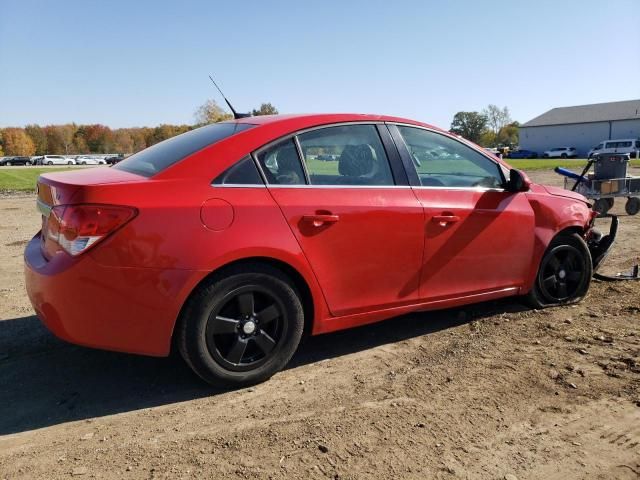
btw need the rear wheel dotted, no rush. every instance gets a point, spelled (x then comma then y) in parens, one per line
(69, 163)
(27, 163)
(564, 155)
(49, 162)
(241, 328)
(564, 274)
(632, 206)
(8, 164)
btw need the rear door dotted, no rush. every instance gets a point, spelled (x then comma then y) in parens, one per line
(479, 237)
(352, 211)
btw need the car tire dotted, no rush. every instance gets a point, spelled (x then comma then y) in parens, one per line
(564, 274)
(28, 164)
(221, 332)
(564, 155)
(632, 207)
(8, 164)
(69, 163)
(49, 162)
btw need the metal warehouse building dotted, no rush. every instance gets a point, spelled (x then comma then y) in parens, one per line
(581, 127)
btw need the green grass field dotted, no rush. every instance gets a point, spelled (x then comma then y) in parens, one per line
(551, 163)
(23, 179)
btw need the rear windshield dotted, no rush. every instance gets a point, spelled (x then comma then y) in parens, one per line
(156, 158)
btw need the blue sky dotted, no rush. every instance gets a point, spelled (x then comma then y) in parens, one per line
(135, 63)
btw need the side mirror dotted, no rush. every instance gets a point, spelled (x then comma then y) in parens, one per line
(518, 181)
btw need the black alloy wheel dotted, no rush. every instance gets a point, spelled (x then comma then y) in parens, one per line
(564, 274)
(245, 327)
(241, 325)
(561, 273)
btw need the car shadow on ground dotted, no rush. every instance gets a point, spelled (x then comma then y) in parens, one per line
(46, 381)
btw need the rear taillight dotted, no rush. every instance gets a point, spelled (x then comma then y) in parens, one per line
(75, 228)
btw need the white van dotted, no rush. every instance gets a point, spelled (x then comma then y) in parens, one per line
(623, 145)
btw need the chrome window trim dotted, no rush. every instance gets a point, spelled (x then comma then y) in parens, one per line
(461, 140)
(239, 185)
(378, 187)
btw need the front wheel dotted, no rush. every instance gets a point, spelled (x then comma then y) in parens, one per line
(564, 274)
(27, 163)
(241, 328)
(8, 164)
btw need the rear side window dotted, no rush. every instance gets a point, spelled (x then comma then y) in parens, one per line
(345, 155)
(441, 161)
(156, 158)
(281, 164)
(243, 172)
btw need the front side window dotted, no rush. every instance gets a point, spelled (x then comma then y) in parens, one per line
(441, 161)
(345, 155)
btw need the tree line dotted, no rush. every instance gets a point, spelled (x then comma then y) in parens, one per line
(73, 139)
(493, 127)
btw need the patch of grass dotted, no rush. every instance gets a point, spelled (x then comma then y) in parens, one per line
(23, 179)
(550, 163)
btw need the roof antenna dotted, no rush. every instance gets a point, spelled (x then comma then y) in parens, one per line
(236, 115)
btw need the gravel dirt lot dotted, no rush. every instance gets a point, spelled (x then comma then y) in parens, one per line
(489, 391)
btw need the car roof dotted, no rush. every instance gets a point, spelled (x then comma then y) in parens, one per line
(302, 120)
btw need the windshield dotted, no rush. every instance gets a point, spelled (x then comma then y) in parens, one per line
(160, 156)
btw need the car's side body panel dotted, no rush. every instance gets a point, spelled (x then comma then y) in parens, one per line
(370, 258)
(489, 246)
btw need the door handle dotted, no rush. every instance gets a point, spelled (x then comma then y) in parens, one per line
(320, 219)
(444, 220)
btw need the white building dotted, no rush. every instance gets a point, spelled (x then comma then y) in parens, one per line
(582, 127)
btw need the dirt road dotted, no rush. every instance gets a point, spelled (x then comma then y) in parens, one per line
(489, 391)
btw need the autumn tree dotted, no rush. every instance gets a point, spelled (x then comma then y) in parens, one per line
(509, 134)
(211, 112)
(98, 138)
(39, 138)
(469, 125)
(16, 142)
(497, 118)
(265, 109)
(122, 141)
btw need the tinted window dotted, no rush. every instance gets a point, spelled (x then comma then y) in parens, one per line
(243, 172)
(281, 164)
(345, 155)
(441, 161)
(637, 143)
(156, 158)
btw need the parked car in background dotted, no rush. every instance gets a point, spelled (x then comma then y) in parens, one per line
(86, 160)
(523, 154)
(113, 159)
(493, 151)
(8, 161)
(231, 260)
(561, 152)
(625, 145)
(57, 160)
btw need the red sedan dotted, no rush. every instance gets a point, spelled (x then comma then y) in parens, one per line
(236, 238)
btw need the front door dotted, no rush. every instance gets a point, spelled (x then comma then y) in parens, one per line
(361, 232)
(479, 237)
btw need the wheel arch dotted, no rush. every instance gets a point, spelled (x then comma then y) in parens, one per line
(299, 283)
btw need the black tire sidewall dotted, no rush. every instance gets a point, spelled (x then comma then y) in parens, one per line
(535, 297)
(193, 344)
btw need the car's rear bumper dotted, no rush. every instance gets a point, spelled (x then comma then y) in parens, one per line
(125, 309)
